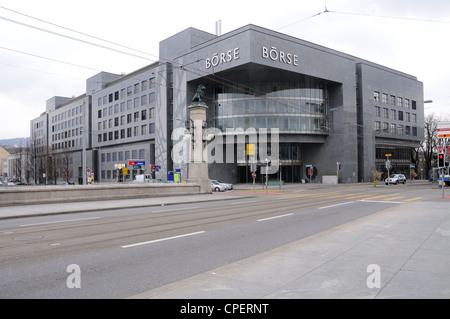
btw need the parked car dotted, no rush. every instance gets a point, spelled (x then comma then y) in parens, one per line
(395, 179)
(227, 185)
(217, 187)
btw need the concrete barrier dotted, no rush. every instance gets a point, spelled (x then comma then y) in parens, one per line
(26, 195)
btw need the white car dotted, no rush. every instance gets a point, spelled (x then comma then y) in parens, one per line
(395, 179)
(217, 187)
(227, 185)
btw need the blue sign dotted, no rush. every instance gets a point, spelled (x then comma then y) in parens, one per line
(177, 170)
(139, 163)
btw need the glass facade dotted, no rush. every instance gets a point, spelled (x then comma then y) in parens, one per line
(291, 107)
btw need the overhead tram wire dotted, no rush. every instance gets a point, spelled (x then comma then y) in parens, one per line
(50, 59)
(212, 77)
(75, 31)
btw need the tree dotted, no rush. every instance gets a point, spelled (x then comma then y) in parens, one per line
(429, 144)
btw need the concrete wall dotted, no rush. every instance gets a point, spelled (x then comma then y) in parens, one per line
(60, 194)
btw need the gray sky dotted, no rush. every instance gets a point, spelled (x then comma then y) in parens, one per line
(407, 35)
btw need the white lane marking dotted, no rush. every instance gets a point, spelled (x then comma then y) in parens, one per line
(379, 201)
(325, 207)
(172, 210)
(60, 221)
(280, 216)
(243, 203)
(162, 239)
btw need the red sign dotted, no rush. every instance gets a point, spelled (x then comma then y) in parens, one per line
(131, 163)
(447, 149)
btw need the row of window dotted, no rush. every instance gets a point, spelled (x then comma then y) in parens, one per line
(75, 143)
(66, 134)
(396, 115)
(129, 105)
(68, 114)
(142, 115)
(135, 131)
(394, 100)
(122, 156)
(125, 92)
(396, 129)
(68, 124)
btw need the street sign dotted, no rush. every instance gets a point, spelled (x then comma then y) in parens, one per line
(443, 130)
(142, 163)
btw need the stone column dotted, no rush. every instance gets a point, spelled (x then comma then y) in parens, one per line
(198, 162)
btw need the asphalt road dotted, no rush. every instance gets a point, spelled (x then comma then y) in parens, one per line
(120, 253)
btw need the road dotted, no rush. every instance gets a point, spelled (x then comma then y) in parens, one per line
(121, 253)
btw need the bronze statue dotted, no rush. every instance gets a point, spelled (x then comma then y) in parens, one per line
(199, 94)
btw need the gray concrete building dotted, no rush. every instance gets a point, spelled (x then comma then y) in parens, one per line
(328, 107)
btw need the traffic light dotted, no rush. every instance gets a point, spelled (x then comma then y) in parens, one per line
(441, 160)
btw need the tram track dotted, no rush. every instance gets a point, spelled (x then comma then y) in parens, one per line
(148, 226)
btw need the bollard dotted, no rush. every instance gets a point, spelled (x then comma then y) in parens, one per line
(375, 183)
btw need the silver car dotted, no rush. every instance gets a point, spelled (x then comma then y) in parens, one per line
(217, 187)
(227, 185)
(395, 179)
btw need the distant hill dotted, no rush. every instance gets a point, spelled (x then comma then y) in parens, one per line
(15, 142)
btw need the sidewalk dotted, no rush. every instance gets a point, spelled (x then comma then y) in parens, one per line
(406, 249)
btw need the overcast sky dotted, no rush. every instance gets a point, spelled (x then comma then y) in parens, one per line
(407, 35)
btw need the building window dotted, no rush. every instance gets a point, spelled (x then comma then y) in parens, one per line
(386, 127)
(400, 115)
(400, 129)
(393, 129)
(152, 98)
(136, 88)
(136, 131)
(393, 99)
(414, 129)
(386, 113)
(129, 132)
(144, 130)
(414, 105)
(151, 128)
(136, 116)
(408, 130)
(376, 96)
(143, 100)
(377, 126)
(414, 118)
(144, 86)
(400, 102)
(384, 98)
(407, 105)
(408, 117)
(394, 114)
(377, 111)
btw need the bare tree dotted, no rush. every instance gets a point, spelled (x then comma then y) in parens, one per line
(64, 165)
(429, 145)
